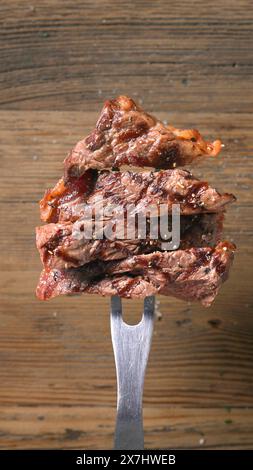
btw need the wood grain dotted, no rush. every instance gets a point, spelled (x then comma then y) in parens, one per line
(192, 66)
(172, 55)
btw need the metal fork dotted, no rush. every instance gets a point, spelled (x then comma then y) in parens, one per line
(131, 345)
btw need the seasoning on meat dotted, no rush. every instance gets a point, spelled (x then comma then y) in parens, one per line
(191, 274)
(133, 267)
(140, 189)
(126, 135)
(59, 248)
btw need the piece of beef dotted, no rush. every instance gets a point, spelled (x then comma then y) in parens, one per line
(63, 246)
(126, 135)
(143, 190)
(191, 274)
(59, 202)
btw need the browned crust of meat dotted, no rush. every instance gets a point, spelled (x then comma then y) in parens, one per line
(141, 189)
(192, 274)
(59, 248)
(59, 201)
(126, 135)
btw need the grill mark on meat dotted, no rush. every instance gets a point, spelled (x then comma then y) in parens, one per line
(170, 157)
(58, 248)
(126, 135)
(197, 282)
(58, 201)
(145, 188)
(202, 259)
(168, 187)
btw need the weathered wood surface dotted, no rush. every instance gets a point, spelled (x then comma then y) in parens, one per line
(191, 64)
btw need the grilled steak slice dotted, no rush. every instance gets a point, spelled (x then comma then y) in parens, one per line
(191, 274)
(126, 135)
(59, 202)
(60, 248)
(143, 190)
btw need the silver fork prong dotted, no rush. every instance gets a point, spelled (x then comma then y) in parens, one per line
(116, 306)
(131, 346)
(149, 307)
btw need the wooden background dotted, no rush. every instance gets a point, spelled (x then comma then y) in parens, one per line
(190, 62)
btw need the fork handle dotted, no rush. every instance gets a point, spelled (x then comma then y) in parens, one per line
(131, 345)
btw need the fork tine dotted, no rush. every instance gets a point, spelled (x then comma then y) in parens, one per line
(116, 306)
(148, 311)
(131, 345)
(149, 306)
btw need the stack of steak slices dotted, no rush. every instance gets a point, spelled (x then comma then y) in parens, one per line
(94, 189)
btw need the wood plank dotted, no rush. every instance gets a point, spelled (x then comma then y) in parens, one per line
(57, 55)
(201, 359)
(191, 66)
(34, 145)
(55, 427)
